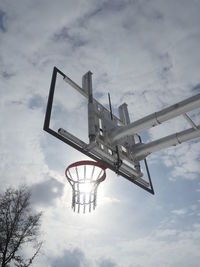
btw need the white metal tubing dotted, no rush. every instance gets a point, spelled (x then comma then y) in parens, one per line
(87, 85)
(123, 114)
(87, 82)
(165, 142)
(156, 118)
(75, 86)
(124, 117)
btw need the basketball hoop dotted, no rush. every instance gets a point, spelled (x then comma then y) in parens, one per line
(84, 177)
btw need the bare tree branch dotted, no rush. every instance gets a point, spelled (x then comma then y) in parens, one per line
(18, 226)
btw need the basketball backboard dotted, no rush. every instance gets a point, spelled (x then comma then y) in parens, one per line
(115, 155)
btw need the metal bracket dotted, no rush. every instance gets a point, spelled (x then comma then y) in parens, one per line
(188, 119)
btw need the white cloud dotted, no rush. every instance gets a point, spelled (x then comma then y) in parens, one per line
(166, 233)
(110, 200)
(182, 250)
(179, 212)
(22, 159)
(107, 263)
(74, 258)
(46, 192)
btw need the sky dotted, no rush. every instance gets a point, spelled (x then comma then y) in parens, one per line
(145, 53)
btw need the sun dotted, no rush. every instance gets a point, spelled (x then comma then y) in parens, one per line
(85, 177)
(86, 187)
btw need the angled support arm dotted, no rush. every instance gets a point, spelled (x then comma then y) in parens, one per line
(165, 142)
(155, 118)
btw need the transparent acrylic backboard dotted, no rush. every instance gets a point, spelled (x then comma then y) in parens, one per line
(76, 118)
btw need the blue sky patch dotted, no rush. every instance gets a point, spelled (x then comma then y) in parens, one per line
(76, 40)
(36, 102)
(7, 75)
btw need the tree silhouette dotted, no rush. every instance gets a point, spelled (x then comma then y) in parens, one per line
(19, 226)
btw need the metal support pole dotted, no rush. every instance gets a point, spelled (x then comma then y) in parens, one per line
(124, 117)
(156, 118)
(87, 87)
(123, 114)
(171, 140)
